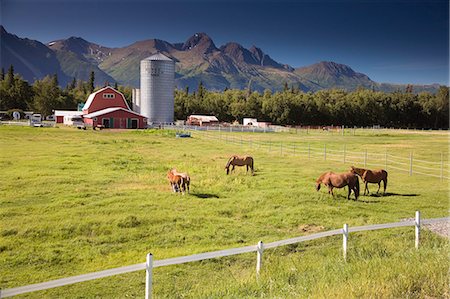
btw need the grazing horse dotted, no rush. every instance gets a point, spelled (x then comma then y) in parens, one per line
(371, 176)
(178, 181)
(339, 180)
(239, 161)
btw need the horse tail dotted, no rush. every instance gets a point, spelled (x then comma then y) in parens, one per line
(385, 179)
(182, 184)
(188, 182)
(356, 187)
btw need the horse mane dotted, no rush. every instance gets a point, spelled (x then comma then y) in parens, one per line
(229, 161)
(322, 176)
(358, 171)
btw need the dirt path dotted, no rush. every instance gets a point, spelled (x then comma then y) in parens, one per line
(440, 228)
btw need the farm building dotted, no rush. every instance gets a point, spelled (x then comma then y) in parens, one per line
(202, 120)
(65, 117)
(250, 122)
(107, 107)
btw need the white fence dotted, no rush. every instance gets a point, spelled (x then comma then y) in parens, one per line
(150, 264)
(410, 164)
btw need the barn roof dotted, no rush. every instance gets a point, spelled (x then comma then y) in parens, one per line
(92, 96)
(109, 110)
(204, 118)
(67, 112)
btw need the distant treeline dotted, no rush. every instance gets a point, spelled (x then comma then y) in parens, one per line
(362, 107)
(291, 106)
(44, 95)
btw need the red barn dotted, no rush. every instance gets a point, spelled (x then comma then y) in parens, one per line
(107, 107)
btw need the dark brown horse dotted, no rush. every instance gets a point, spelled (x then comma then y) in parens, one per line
(239, 161)
(371, 176)
(178, 181)
(339, 180)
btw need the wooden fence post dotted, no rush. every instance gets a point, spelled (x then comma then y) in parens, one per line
(148, 276)
(259, 253)
(345, 240)
(417, 226)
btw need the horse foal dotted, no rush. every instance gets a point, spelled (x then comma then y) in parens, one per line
(178, 181)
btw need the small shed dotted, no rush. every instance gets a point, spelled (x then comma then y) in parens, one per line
(63, 116)
(202, 120)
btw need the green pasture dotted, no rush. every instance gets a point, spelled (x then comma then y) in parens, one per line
(73, 202)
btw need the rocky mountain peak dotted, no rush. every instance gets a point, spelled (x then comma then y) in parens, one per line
(199, 42)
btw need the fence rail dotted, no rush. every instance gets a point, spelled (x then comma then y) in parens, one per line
(150, 264)
(385, 160)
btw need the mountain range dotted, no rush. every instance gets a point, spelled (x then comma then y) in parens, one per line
(198, 59)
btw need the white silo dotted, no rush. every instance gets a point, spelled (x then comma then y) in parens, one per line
(157, 88)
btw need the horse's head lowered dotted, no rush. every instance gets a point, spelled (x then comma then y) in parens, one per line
(227, 167)
(317, 186)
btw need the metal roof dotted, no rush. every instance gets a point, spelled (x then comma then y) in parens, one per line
(109, 110)
(67, 113)
(204, 118)
(158, 56)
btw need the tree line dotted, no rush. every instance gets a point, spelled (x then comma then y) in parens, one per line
(291, 106)
(362, 107)
(45, 95)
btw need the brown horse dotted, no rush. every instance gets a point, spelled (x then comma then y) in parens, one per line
(179, 181)
(371, 176)
(239, 161)
(339, 180)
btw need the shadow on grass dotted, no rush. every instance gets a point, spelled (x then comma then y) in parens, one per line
(392, 194)
(204, 195)
(352, 198)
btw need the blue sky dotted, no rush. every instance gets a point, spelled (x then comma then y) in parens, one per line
(396, 41)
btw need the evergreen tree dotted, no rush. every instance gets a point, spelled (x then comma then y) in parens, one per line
(200, 90)
(91, 82)
(55, 80)
(10, 76)
(116, 86)
(2, 74)
(72, 84)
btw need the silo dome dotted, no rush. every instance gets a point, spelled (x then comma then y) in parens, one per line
(157, 88)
